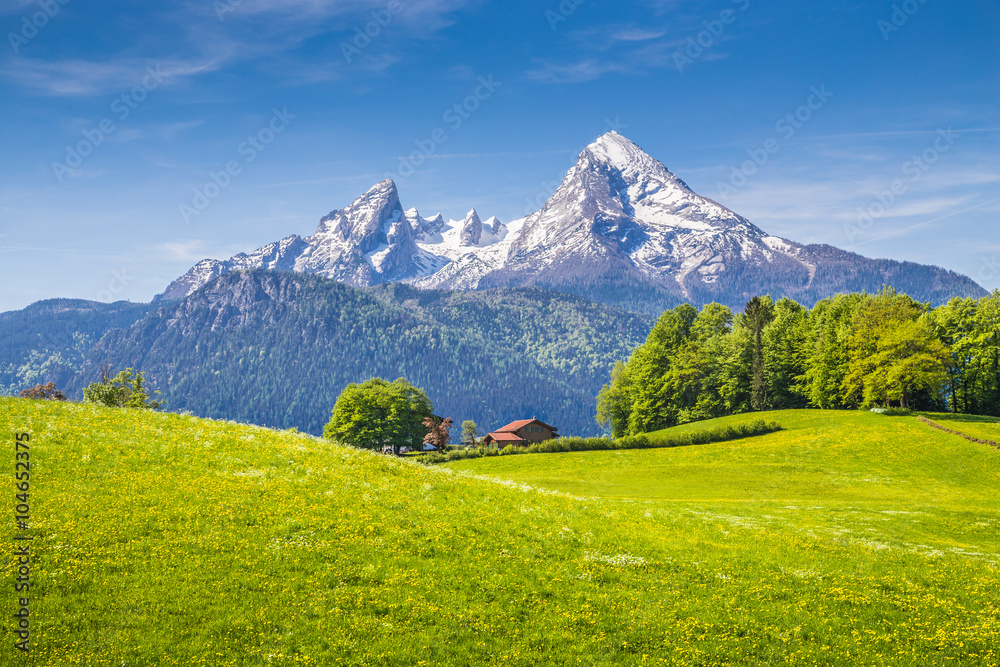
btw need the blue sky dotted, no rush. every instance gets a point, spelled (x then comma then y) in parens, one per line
(799, 116)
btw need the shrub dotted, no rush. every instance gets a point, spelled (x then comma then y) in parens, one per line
(125, 390)
(640, 441)
(46, 392)
(634, 442)
(549, 446)
(897, 412)
(432, 457)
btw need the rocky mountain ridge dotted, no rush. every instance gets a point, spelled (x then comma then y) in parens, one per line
(620, 229)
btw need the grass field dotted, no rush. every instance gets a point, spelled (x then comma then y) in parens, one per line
(985, 428)
(848, 539)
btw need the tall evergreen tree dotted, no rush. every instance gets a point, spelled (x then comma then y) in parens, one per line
(756, 316)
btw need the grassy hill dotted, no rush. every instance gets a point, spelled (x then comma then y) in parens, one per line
(823, 455)
(165, 539)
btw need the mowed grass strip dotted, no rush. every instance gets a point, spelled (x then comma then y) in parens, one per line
(984, 428)
(162, 539)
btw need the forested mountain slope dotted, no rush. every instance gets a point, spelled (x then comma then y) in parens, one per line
(276, 349)
(48, 341)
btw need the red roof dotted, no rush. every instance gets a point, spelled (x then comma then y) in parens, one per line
(520, 423)
(500, 436)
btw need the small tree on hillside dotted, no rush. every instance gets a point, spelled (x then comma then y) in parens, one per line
(44, 391)
(125, 390)
(470, 431)
(438, 432)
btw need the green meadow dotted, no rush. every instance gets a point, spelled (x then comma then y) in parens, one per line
(846, 539)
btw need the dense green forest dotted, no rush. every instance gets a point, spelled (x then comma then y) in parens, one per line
(849, 351)
(48, 341)
(277, 349)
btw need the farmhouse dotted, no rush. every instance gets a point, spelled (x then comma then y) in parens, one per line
(521, 432)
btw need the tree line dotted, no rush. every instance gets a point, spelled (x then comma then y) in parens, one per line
(847, 352)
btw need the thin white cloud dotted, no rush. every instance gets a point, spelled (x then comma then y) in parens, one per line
(254, 30)
(897, 133)
(921, 207)
(833, 202)
(299, 20)
(183, 251)
(310, 9)
(448, 156)
(629, 49)
(637, 34)
(77, 77)
(14, 6)
(920, 225)
(586, 70)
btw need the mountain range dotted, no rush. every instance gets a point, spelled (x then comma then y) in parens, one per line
(621, 229)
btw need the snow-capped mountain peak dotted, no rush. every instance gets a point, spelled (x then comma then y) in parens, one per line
(621, 228)
(363, 222)
(497, 228)
(614, 150)
(472, 229)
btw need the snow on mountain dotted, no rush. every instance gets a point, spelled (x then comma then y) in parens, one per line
(371, 241)
(496, 228)
(621, 228)
(619, 213)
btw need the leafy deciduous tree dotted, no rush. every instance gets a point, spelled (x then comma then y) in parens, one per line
(849, 351)
(470, 432)
(438, 432)
(378, 413)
